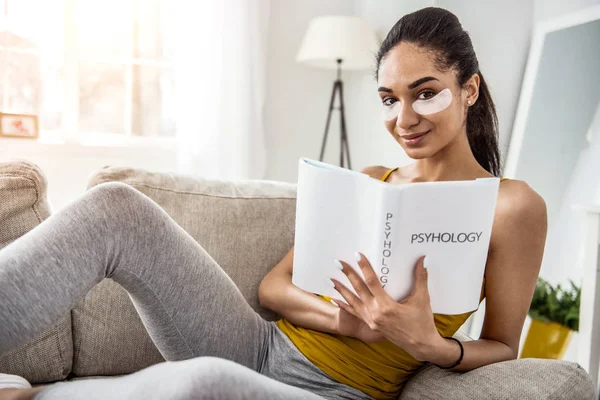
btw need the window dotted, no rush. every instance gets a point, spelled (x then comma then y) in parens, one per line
(89, 68)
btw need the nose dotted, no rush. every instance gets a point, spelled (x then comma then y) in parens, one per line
(407, 117)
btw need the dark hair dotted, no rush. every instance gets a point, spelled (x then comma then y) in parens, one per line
(440, 31)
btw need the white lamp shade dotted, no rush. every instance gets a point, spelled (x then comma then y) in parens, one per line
(329, 38)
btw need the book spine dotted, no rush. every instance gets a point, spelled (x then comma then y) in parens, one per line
(384, 246)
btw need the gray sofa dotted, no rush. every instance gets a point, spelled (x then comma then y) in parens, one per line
(247, 226)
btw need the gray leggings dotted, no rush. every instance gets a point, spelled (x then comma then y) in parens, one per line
(216, 345)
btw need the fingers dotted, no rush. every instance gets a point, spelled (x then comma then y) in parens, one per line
(368, 288)
(346, 307)
(352, 300)
(371, 279)
(357, 283)
(420, 289)
(421, 273)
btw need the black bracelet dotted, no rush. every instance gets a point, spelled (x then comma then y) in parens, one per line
(462, 353)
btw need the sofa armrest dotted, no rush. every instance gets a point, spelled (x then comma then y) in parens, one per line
(24, 205)
(527, 378)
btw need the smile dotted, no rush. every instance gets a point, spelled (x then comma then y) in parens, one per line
(412, 140)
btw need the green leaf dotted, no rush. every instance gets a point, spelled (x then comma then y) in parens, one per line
(556, 304)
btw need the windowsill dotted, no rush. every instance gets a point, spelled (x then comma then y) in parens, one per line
(69, 165)
(94, 141)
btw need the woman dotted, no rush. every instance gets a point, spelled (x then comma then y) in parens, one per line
(437, 106)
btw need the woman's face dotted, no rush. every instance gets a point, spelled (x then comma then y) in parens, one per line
(423, 108)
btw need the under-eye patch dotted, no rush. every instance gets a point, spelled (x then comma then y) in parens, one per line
(435, 104)
(390, 112)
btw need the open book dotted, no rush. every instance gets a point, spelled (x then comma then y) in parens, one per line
(340, 211)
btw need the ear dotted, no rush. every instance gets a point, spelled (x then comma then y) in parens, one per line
(472, 90)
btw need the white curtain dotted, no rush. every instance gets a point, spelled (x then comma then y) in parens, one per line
(220, 88)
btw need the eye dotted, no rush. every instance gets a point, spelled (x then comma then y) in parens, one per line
(386, 101)
(426, 92)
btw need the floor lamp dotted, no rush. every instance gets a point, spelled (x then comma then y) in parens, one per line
(338, 42)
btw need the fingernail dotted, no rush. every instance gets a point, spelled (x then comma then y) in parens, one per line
(425, 262)
(331, 283)
(338, 264)
(358, 256)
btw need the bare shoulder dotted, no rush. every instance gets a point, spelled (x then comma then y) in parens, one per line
(520, 209)
(375, 171)
(516, 197)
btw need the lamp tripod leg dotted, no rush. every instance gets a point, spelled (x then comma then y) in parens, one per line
(344, 148)
(331, 102)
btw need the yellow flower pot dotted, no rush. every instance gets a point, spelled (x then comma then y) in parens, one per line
(546, 340)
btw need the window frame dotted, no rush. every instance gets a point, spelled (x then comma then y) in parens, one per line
(69, 131)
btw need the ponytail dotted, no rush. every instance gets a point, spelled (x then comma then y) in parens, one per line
(482, 130)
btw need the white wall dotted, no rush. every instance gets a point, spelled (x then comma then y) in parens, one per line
(297, 95)
(545, 9)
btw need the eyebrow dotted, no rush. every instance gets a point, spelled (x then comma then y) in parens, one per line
(413, 85)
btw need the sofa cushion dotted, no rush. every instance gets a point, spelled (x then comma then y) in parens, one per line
(246, 226)
(24, 205)
(527, 378)
(109, 337)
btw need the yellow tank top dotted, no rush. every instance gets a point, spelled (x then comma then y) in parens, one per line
(378, 369)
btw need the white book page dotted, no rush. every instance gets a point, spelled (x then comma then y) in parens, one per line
(339, 212)
(334, 214)
(450, 223)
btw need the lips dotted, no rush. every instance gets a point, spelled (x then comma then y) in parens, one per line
(413, 135)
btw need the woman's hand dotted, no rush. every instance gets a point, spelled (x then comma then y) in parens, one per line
(408, 323)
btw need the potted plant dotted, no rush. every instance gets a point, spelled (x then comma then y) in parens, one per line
(554, 313)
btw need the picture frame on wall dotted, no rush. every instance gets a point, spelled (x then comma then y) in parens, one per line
(19, 126)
